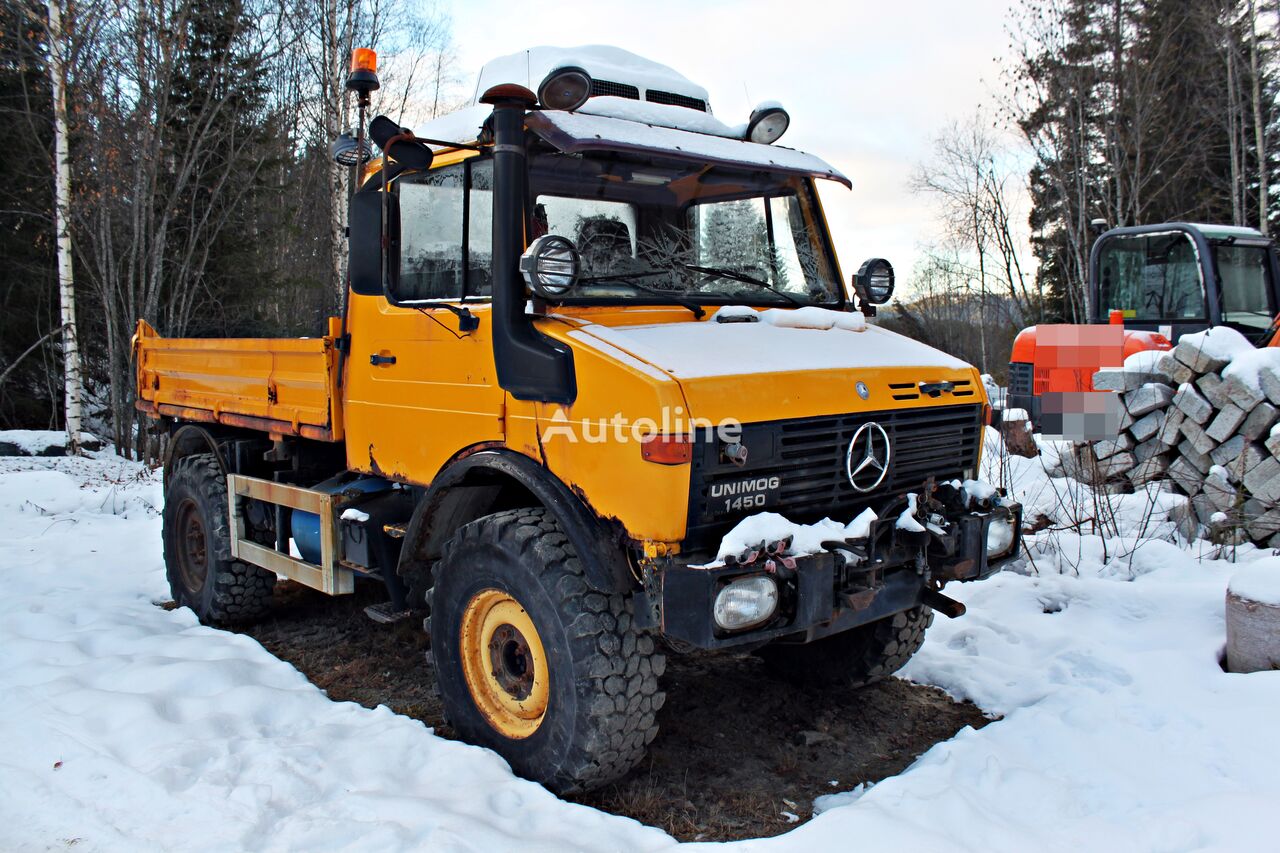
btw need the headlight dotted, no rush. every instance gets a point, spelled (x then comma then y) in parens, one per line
(565, 89)
(745, 603)
(550, 266)
(768, 123)
(999, 537)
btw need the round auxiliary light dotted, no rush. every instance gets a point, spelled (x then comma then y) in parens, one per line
(767, 124)
(565, 89)
(551, 266)
(875, 280)
(745, 603)
(345, 151)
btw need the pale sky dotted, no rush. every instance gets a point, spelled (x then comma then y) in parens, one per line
(867, 84)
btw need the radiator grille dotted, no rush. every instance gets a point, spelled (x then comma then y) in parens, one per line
(675, 100)
(808, 456)
(617, 90)
(1020, 377)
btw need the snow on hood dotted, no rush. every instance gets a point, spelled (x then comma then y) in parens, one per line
(707, 349)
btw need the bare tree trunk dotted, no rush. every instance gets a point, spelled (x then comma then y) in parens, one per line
(1237, 215)
(1259, 131)
(72, 387)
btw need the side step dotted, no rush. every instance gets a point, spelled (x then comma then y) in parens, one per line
(385, 613)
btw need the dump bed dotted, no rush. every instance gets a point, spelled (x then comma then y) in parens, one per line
(280, 385)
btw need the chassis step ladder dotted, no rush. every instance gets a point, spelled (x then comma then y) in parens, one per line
(330, 577)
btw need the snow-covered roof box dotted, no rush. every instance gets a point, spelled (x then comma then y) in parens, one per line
(614, 72)
(634, 105)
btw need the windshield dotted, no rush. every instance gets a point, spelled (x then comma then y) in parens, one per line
(1245, 275)
(1152, 278)
(654, 231)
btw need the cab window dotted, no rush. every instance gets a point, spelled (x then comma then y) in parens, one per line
(1245, 278)
(446, 215)
(1152, 278)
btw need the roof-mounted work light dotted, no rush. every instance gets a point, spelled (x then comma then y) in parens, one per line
(768, 123)
(346, 150)
(565, 89)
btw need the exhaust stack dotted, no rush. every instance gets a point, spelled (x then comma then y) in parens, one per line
(530, 365)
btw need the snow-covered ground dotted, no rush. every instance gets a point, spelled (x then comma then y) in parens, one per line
(129, 727)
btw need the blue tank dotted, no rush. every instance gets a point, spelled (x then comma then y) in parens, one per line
(305, 526)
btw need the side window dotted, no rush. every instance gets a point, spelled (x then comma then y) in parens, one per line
(431, 235)
(1246, 286)
(445, 215)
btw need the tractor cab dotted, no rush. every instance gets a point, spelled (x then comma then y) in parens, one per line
(1176, 279)
(1148, 286)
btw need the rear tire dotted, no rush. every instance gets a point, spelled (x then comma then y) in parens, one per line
(863, 655)
(197, 548)
(534, 663)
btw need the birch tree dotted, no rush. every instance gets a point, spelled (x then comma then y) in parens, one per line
(72, 382)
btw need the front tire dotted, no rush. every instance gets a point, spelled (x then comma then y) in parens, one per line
(535, 664)
(197, 548)
(854, 658)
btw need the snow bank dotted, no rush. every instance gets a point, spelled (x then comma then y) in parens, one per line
(1259, 582)
(40, 442)
(128, 727)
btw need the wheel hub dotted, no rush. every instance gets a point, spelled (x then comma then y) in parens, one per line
(192, 546)
(509, 657)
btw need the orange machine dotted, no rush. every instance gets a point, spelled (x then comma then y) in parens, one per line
(1148, 286)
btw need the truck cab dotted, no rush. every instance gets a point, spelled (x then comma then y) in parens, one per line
(599, 393)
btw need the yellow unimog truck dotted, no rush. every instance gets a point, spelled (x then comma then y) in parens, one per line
(597, 395)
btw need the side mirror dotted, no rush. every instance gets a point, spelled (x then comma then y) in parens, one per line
(365, 256)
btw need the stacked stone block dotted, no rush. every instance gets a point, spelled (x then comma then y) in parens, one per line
(1187, 428)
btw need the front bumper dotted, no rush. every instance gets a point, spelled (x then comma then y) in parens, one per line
(848, 584)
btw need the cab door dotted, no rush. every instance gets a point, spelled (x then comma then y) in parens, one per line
(421, 388)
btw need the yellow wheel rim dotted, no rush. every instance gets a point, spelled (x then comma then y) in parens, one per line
(504, 664)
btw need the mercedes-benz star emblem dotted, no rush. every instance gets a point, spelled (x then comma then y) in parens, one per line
(867, 459)
(862, 390)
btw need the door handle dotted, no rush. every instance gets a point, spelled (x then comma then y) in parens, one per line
(376, 359)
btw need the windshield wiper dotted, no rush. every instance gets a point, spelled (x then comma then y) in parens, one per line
(734, 275)
(626, 278)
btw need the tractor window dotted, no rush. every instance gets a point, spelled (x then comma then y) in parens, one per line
(1246, 286)
(433, 240)
(1151, 278)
